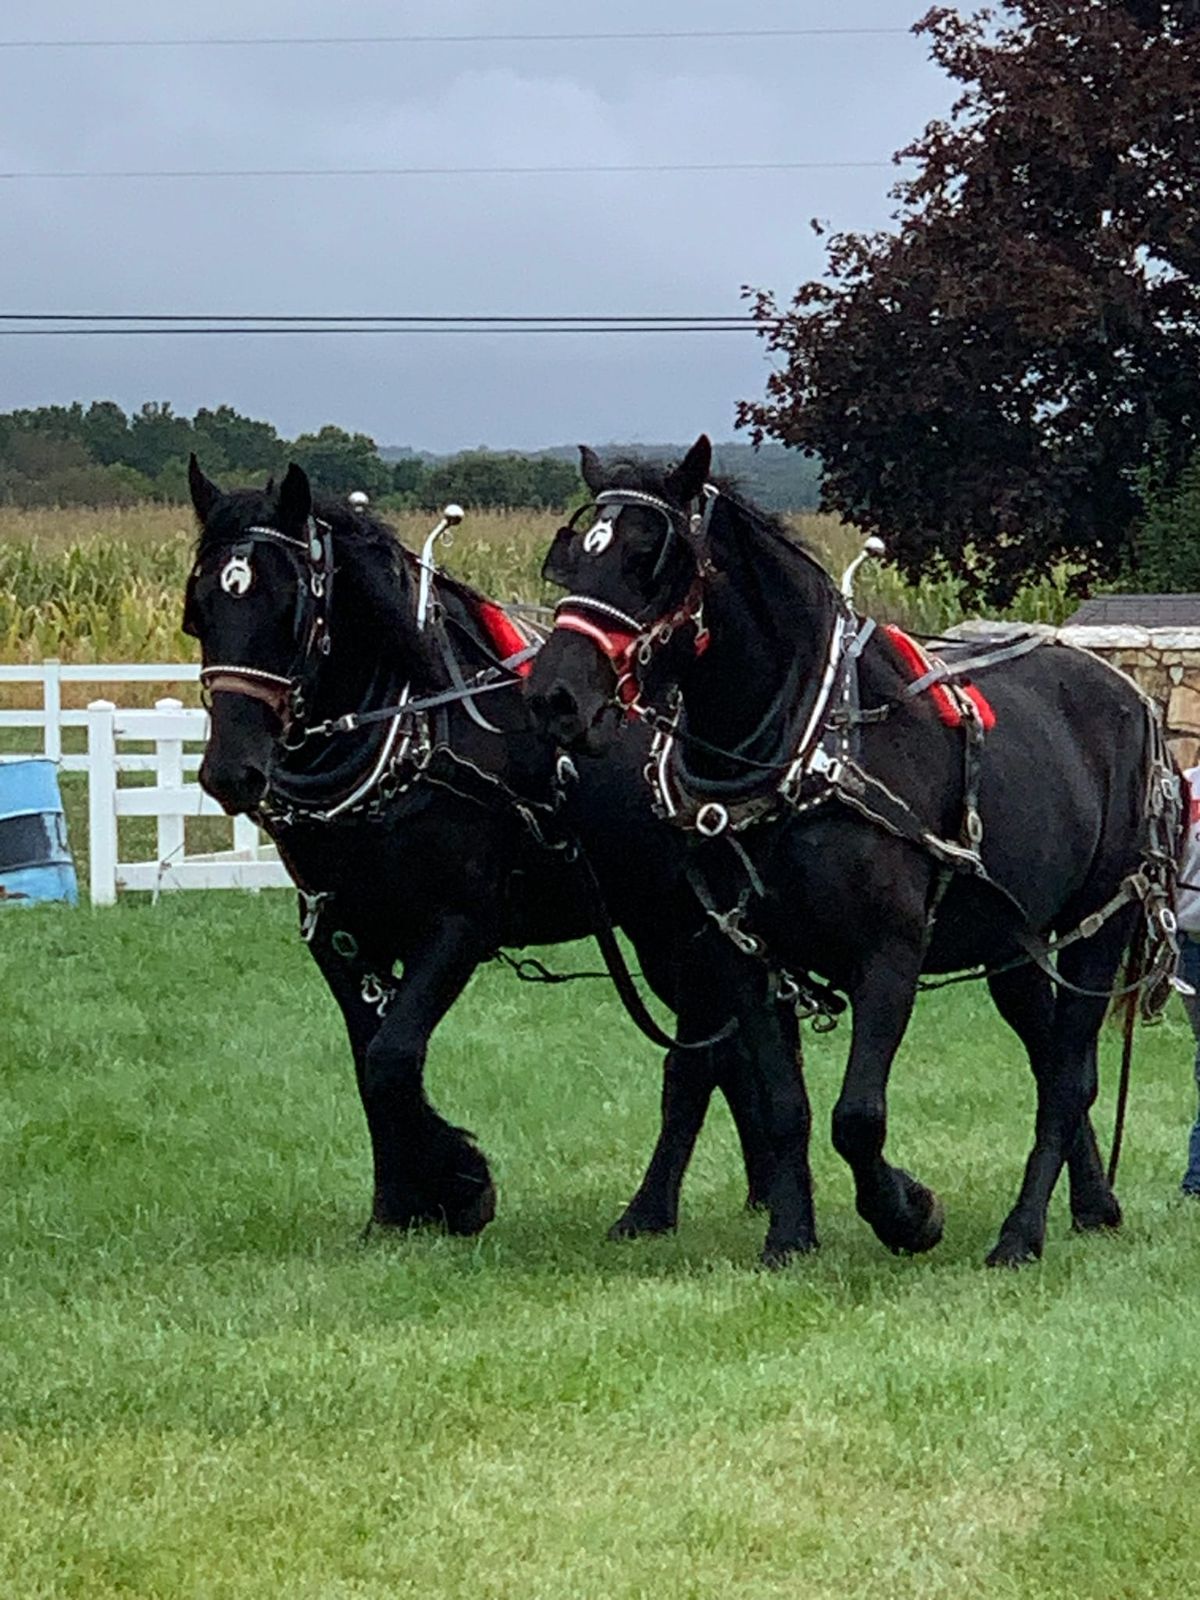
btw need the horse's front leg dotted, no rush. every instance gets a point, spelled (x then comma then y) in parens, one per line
(775, 1124)
(905, 1215)
(362, 987)
(689, 1078)
(431, 1171)
(425, 1169)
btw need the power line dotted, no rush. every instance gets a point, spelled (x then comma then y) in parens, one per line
(658, 35)
(363, 317)
(442, 172)
(175, 330)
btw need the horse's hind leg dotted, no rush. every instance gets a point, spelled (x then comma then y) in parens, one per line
(689, 1077)
(1066, 1090)
(1024, 997)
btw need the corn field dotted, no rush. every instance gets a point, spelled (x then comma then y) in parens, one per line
(107, 585)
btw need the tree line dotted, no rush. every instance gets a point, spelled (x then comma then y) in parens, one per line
(98, 455)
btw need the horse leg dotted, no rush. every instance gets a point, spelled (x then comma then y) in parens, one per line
(905, 1215)
(1066, 1089)
(425, 1169)
(777, 1115)
(689, 1077)
(347, 976)
(1024, 997)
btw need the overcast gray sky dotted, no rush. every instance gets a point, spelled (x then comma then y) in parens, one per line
(596, 243)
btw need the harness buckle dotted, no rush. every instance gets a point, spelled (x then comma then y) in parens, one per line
(377, 994)
(748, 943)
(712, 819)
(974, 827)
(310, 912)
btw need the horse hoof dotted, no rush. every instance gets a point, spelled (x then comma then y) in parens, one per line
(475, 1215)
(930, 1231)
(1014, 1253)
(775, 1257)
(1105, 1217)
(389, 1220)
(634, 1224)
(921, 1223)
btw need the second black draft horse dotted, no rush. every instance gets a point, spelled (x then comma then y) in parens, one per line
(855, 825)
(430, 835)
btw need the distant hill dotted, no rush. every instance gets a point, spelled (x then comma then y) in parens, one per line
(777, 478)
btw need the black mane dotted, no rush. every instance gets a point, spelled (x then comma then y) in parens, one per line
(363, 542)
(651, 477)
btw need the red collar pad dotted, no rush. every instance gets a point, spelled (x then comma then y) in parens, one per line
(918, 662)
(503, 634)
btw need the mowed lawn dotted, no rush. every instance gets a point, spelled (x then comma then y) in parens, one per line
(210, 1386)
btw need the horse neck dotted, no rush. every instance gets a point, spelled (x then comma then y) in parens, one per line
(370, 650)
(770, 614)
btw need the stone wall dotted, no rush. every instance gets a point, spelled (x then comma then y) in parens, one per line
(1164, 661)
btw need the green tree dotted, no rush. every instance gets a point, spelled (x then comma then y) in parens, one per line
(494, 478)
(104, 432)
(408, 480)
(156, 436)
(238, 447)
(1165, 552)
(38, 468)
(339, 462)
(984, 384)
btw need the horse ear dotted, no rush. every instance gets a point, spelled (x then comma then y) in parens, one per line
(295, 497)
(685, 481)
(205, 493)
(270, 489)
(590, 468)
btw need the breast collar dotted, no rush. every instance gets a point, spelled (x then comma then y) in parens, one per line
(805, 775)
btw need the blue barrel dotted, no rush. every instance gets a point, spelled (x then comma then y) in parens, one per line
(35, 860)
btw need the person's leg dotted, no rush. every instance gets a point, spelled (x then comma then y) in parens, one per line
(1189, 971)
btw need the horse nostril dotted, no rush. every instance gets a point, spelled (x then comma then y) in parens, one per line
(560, 702)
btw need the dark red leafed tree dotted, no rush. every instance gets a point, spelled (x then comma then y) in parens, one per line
(984, 383)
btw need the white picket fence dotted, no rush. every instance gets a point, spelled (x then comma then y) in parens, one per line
(52, 719)
(170, 799)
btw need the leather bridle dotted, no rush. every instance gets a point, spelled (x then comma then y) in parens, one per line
(634, 643)
(283, 693)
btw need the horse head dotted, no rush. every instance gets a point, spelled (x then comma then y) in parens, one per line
(631, 561)
(278, 644)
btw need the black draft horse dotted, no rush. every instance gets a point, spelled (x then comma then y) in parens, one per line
(854, 824)
(433, 837)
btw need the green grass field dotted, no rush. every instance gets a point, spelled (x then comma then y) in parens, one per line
(210, 1387)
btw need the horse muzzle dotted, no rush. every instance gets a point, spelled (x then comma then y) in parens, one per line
(240, 749)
